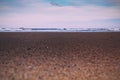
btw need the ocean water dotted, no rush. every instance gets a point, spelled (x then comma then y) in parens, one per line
(59, 29)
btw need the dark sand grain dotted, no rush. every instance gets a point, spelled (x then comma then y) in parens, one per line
(60, 56)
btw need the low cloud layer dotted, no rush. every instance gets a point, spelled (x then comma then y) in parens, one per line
(42, 13)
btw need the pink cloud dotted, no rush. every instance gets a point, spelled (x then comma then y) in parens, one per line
(40, 15)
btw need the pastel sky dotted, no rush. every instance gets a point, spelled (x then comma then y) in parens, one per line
(60, 13)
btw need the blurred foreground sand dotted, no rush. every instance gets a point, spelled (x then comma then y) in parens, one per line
(59, 56)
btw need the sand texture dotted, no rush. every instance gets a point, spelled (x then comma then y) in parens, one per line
(59, 56)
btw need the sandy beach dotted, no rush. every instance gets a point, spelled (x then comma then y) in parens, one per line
(59, 56)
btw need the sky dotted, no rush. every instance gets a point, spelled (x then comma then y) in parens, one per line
(59, 13)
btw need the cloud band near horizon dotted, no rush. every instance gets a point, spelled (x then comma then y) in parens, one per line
(60, 13)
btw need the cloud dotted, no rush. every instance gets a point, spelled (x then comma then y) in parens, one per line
(84, 2)
(60, 2)
(38, 15)
(114, 2)
(42, 13)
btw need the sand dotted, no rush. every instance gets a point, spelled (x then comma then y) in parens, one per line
(59, 56)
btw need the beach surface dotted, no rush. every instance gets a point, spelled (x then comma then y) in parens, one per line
(59, 56)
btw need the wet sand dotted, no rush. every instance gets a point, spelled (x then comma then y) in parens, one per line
(59, 56)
